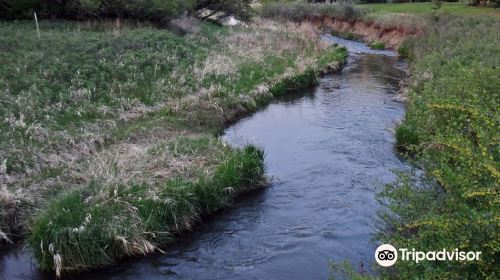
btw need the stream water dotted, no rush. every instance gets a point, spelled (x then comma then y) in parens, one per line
(329, 150)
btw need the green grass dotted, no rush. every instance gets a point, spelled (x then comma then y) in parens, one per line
(377, 45)
(428, 7)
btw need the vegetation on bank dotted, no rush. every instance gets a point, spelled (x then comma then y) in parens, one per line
(94, 226)
(451, 131)
(377, 45)
(118, 120)
(413, 17)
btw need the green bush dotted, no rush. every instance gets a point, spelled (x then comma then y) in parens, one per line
(82, 9)
(404, 49)
(377, 45)
(153, 10)
(451, 125)
(406, 136)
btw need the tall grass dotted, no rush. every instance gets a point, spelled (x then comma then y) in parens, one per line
(301, 10)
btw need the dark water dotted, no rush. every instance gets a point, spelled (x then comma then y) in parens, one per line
(329, 150)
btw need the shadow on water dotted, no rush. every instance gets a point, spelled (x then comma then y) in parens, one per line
(330, 149)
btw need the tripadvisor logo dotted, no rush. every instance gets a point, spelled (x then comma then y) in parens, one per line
(387, 255)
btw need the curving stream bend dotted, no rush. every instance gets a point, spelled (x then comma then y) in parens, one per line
(329, 150)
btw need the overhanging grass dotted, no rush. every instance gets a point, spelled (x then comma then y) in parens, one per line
(93, 227)
(377, 45)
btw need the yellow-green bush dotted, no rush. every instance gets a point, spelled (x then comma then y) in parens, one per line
(451, 130)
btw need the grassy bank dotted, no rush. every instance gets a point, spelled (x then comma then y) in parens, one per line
(451, 131)
(108, 128)
(93, 226)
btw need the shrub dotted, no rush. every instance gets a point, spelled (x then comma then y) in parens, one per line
(377, 45)
(452, 126)
(406, 136)
(404, 48)
(154, 10)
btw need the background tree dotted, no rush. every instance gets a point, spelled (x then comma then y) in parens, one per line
(239, 8)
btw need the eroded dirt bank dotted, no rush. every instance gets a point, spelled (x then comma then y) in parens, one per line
(391, 36)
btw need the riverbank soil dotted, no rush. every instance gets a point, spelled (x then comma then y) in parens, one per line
(107, 147)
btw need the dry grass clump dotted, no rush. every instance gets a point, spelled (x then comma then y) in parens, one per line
(259, 55)
(151, 160)
(7, 202)
(260, 39)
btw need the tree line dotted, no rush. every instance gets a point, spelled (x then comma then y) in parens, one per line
(154, 10)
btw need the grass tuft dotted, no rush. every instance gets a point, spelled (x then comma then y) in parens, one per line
(377, 45)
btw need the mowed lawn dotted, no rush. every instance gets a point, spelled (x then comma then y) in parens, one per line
(428, 7)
